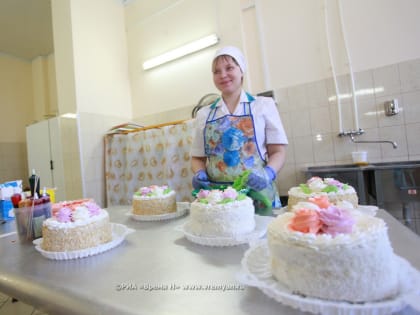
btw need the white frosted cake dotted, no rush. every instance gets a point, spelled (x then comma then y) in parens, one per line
(76, 225)
(154, 200)
(336, 191)
(333, 254)
(221, 213)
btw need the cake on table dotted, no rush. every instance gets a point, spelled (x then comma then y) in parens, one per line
(336, 191)
(221, 213)
(154, 200)
(325, 252)
(76, 225)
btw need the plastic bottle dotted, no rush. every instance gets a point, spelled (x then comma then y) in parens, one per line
(34, 183)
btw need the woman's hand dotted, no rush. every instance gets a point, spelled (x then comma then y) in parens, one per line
(260, 180)
(200, 180)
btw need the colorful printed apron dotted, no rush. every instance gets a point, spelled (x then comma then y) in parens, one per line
(231, 147)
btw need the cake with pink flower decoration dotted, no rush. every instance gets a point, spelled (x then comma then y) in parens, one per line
(322, 251)
(154, 200)
(221, 213)
(336, 191)
(76, 225)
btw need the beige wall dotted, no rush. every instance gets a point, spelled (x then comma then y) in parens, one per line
(92, 79)
(286, 45)
(16, 104)
(98, 57)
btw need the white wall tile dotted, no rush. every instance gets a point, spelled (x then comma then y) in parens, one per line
(323, 145)
(320, 120)
(297, 97)
(364, 85)
(396, 134)
(342, 149)
(316, 94)
(287, 123)
(301, 123)
(411, 107)
(395, 120)
(290, 152)
(373, 149)
(286, 178)
(303, 150)
(347, 114)
(413, 140)
(410, 75)
(367, 111)
(387, 80)
(282, 100)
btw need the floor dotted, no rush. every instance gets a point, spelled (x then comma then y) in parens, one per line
(412, 208)
(8, 307)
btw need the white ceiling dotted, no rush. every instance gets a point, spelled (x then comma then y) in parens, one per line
(26, 28)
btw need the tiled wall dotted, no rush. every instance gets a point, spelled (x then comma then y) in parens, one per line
(310, 115)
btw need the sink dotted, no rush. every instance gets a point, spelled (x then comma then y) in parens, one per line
(338, 167)
(370, 166)
(398, 164)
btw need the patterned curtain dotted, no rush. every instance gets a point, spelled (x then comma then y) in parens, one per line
(159, 156)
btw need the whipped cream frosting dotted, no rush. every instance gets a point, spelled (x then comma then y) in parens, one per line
(153, 192)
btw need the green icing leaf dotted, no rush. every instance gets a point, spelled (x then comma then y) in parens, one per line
(167, 191)
(203, 201)
(345, 186)
(305, 188)
(226, 200)
(241, 197)
(241, 181)
(330, 188)
(256, 195)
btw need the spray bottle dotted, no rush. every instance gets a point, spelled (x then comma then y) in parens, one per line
(34, 183)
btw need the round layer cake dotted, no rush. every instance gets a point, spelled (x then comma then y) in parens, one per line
(336, 191)
(333, 254)
(154, 200)
(221, 213)
(76, 225)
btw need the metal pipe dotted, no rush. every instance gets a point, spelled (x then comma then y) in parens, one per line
(359, 132)
(393, 143)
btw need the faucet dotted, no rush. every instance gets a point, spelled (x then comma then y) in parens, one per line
(352, 133)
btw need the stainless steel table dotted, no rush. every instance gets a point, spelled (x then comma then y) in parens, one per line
(153, 272)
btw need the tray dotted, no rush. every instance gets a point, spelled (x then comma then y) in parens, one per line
(370, 210)
(256, 272)
(259, 231)
(181, 209)
(119, 232)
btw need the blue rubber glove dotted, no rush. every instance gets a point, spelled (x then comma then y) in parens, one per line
(260, 180)
(200, 180)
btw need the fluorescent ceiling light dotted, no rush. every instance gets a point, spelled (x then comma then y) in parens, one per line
(69, 115)
(181, 51)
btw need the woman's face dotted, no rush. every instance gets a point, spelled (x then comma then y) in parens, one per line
(227, 75)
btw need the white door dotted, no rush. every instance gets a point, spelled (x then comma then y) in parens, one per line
(39, 152)
(45, 155)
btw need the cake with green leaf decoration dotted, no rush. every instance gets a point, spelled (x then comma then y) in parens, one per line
(221, 213)
(337, 192)
(154, 200)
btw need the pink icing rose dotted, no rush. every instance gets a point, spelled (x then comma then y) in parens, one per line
(306, 221)
(145, 190)
(64, 215)
(336, 221)
(321, 201)
(203, 194)
(333, 182)
(230, 193)
(93, 208)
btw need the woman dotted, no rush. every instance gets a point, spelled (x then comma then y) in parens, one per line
(238, 132)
